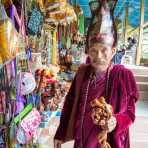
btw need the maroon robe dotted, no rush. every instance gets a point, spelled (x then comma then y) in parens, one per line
(90, 130)
(123, 94)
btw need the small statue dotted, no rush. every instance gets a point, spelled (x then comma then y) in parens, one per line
(101, 113)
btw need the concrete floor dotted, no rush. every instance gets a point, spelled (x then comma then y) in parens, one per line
(139, 130)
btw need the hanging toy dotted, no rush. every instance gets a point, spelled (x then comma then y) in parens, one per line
(101, 113)
(27, 83)
(8, 36)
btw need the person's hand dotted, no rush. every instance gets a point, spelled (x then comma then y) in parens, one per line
(112, 122)
(95, 117)
(57, 143)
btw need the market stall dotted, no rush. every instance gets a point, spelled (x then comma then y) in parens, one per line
(41, 43)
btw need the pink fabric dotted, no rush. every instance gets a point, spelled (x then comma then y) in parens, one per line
(92, 130)
(30, 123)
(123, 94)
(88, 60)
(20, 21)
(2, 102)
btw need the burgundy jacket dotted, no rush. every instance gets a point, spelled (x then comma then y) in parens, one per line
(123, 94)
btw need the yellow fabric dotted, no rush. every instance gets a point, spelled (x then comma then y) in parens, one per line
(12, 143)
(62, 11)
(53, 1)
(1, 61)
(41, 3)
(8, 39)
(54, 49)
(60, 14)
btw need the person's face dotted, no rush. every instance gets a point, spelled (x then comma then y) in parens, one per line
(100, 55)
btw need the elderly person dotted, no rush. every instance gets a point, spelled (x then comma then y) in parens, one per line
(99, 78)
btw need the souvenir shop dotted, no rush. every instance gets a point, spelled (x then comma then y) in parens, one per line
(41, 47)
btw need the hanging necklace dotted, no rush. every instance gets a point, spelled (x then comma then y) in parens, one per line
(84, 109)
(86, 98)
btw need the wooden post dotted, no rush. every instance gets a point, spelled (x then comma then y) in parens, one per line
(137, 29)
(140, 39)
(126, 25)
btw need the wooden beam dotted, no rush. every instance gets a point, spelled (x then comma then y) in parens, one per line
(126, 25)
(137, 29)
(140, 39)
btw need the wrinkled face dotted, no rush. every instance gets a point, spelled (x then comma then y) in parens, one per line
(100, 55)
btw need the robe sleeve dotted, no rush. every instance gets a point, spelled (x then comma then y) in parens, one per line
(66, 111)
(126, 118)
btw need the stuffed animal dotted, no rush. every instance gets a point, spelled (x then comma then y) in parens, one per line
(101, 113)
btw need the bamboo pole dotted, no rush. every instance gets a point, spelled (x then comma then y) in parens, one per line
(126, 25)
(134, 30)
(140, 39)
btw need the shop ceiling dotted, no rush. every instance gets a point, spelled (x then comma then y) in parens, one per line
(134, 10)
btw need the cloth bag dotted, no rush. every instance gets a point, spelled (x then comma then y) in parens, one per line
(26, 83)
(6, 30)
(28, 126)
(36, 20)
(10, 39)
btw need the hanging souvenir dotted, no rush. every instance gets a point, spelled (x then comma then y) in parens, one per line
(7, 3)
(5, 32)
(2, 96)
(22, 114)
(8, 37)
(2, 92)
(8, 110)
(2, 137)
(11, 70)
(41, 3)
(2, 106)
(12, 134)
(26, 83)
(1, 60)
(36, 20)
(21, 37)
(50, 48)
(52, 6)
(28, 126)
(81, 24)
(21, 137)
(57, 52)
(60, 37)
(54, 49)
(20, 101)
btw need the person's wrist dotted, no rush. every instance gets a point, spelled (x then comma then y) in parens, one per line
(112, 122)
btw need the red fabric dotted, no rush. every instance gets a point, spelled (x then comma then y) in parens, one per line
(2, 102)
(122, 96)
